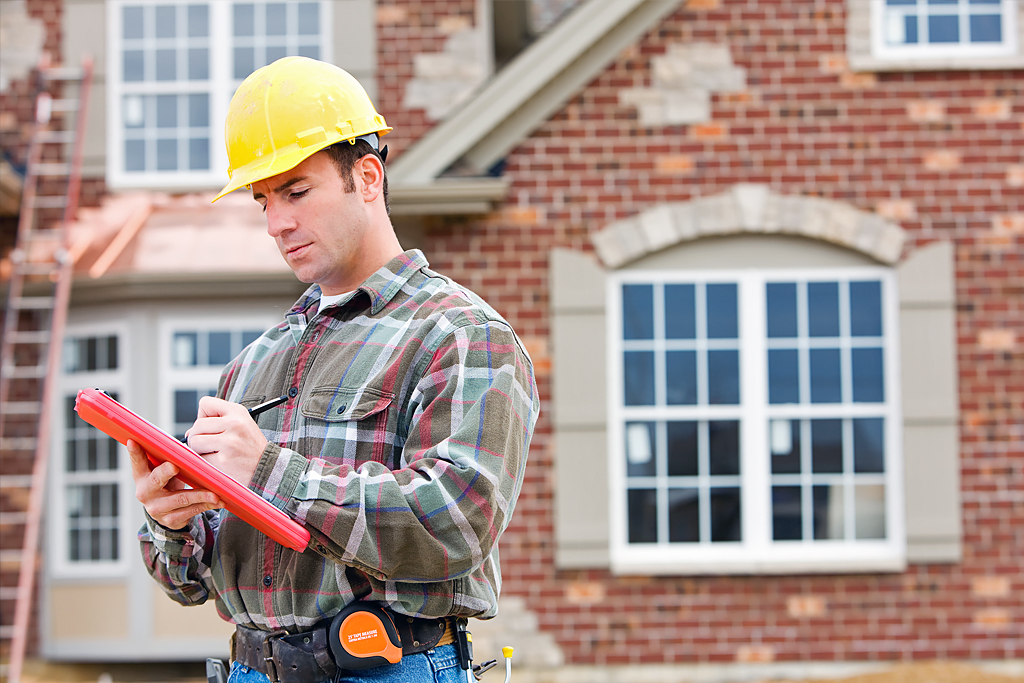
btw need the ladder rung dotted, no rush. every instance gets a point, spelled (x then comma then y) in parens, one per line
(64, 105)
(24, 371)
(11, 555)
(13, 518)
(29, 337)
(62, 73)
(51, 202)
(55, 136)
(9, 592)
(37, 268)
(33, 302)
(16, 481)
(20, 407)
(50, 169)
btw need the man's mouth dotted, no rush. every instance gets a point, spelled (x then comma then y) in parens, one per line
(296, 250)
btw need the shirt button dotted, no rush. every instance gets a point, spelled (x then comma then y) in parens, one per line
(293, 392)
(267, 580)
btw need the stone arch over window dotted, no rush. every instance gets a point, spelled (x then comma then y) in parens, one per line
(731, 230)
(749, 209)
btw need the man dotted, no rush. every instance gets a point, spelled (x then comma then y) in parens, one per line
(402, 444)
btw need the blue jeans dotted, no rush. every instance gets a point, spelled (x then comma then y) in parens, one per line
(440, 665)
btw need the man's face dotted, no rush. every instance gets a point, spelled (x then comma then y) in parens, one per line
(319, 228)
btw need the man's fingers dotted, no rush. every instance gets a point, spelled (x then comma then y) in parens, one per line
(138, 459)
(211, 406)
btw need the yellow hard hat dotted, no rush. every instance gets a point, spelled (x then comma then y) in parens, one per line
(289, 110)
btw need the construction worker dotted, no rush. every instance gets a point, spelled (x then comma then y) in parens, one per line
(402, 443)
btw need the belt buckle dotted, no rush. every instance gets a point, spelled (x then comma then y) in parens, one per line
(268, 656)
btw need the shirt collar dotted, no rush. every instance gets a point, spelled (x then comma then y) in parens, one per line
(381, 287)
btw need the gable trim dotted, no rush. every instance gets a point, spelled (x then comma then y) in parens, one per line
(747, 208)
(532, 87)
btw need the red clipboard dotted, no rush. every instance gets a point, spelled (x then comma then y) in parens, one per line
(110, 417)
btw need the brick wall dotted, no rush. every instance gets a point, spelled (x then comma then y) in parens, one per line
(938, 152)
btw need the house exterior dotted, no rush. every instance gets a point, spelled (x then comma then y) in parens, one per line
(766, 257)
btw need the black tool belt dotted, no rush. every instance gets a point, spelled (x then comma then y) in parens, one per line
(303, 657)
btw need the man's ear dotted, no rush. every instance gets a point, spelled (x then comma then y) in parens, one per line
(368, 173)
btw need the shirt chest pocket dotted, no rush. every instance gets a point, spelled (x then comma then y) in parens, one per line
(340, 404)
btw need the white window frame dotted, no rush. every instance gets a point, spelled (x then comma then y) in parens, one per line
(220, 87)
(925, 51)
(756, 552)
(173, 377)
(116, 381)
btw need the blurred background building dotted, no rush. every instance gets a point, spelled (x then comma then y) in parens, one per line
(766, 255)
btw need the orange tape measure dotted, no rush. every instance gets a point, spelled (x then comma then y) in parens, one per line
(363, 636)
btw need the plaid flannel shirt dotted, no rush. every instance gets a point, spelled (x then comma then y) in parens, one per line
(402, 453)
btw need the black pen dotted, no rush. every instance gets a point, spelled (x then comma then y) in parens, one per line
(267, 405)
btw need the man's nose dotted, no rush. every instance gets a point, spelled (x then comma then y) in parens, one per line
(279, 218)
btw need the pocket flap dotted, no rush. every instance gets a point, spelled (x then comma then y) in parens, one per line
(338, 404)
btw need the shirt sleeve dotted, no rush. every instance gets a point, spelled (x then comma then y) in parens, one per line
(437, 516)
(180, 560)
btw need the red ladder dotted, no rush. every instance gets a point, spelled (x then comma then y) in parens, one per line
(30, 351)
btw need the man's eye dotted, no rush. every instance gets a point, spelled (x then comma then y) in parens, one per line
(298, 194)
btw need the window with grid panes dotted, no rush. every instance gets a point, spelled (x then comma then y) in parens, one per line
(173, 67)
(195, 360)
(89, 476)
(754, 417)
(926, 28)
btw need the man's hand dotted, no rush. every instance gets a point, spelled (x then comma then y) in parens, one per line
(228, 438)
(165, 498)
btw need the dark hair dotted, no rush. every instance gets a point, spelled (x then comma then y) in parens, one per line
(345, 154)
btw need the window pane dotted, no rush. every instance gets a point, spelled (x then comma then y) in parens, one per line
(825, 376)
(166, 65)
(643, 515)
(868, 380)
(199, 110)
(637, 312)
(245, 20)
(220, 348)
(986, 28)
(683, 516)
(787, 515)
(640, 449)
(132, 23)
(166, 111)
(869, 445)
(910, 30)
(783, 376)
(198, 64)
(943, 28)
(724, 377)
(869, 511)
(274, 54)
(309, 18)
(724, 442)
(680, 312)
(198, 21)
(722, 320)
(277, 23)
(639, 378)
(866, 309)
(828, 512)
(167, 155)
(183, 349)
(823, 309)
(133, 67)
(165, 21)
(725, 514)
(826, 446)
(311, 51)
(682, 449)
(199, 154)
(781, 309)
(186, 406)
(134, 155)
(681, 378)
(245, 62)
(785, 446)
